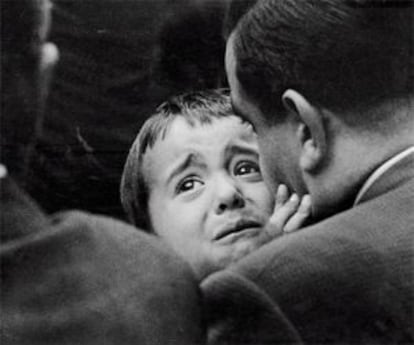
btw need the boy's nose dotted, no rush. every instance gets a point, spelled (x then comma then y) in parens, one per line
(229, 196)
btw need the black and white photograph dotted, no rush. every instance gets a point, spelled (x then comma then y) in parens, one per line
(207, 172)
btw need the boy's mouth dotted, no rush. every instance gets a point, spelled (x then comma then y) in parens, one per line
(237, 227)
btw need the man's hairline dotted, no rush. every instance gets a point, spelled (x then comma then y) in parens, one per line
(241, 90)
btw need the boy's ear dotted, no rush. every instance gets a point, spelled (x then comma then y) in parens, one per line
(311, 131)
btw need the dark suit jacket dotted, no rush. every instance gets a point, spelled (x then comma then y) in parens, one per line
(348, 279)
(75, 278)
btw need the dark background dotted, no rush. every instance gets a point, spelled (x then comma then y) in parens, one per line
(118, 60)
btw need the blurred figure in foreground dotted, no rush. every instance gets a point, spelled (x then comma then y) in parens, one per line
(73, 278)
(118, 61)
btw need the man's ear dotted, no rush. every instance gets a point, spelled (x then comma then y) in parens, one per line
(311, 132)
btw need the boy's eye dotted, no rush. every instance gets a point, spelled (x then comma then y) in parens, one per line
(188, 184)
(246, 168)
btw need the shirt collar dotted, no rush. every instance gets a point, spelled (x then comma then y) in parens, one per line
(381, 170)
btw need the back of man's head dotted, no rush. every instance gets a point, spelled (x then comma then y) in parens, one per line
(23, 30)
(347, 56)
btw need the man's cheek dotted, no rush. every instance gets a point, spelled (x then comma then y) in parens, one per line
(268, 175)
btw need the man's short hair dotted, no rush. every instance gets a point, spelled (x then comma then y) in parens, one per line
(342, 55)
(235, 10)
(199, 107)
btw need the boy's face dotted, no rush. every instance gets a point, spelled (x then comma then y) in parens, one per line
(207, 197)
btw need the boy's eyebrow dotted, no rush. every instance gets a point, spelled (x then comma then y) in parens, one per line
(191, 159)
(235, 148)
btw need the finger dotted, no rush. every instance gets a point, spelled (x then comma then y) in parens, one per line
(282, 196)
(299, 218)
(281, 215)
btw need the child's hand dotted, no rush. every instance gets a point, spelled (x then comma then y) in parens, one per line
(289, 213)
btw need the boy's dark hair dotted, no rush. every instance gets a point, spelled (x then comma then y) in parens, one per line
(196, 108)
(344, 55)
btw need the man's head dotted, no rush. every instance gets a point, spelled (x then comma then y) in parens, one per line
(327, 83)
(193, 171)
(26, 61)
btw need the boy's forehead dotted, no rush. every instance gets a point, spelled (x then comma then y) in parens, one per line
(199, 139)
(222, 130)
(182, 129)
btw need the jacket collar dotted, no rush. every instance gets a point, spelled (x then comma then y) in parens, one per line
(391, 174)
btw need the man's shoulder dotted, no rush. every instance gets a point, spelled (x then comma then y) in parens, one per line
(91, 227)
(114, 282)
(361, 240)
(354, 268)
(376, 225)
(105, 236)
(350, 254)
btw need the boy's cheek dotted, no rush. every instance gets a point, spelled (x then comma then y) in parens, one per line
(264, 199)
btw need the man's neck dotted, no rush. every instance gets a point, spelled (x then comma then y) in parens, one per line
(354, 157)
